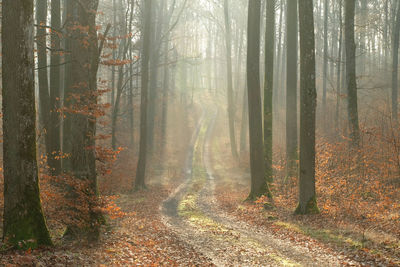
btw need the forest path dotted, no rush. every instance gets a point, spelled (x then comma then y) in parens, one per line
(192, 213)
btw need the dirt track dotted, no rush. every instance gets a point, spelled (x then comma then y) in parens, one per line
(191, 212)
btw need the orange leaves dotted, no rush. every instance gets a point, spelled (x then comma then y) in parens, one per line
(79, 28)
(110, 208)
(84, 102)
(116, 62)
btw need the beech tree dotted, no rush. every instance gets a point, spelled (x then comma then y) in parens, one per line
(352, 101)
(24, 222)
(325, 63)
(268, 86)
(55, 90)
(141, 168)
(308, 103)
(49, 92)
(291, 90)
(80, 105)
(259, 184)
(395, 64)
(231, 108)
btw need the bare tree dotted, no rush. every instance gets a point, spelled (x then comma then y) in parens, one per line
(231, 108)
(291, 89)
(396, 33)
(141, 169)
(55, 90)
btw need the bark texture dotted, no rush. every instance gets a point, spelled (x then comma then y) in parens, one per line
(259, 184)
(291, 90)
(141, 168)
(351, 73)
(395, 67)
(231, 108)
(43, 82)
(308, 103)
(24, 222)
(268, 87)
(55, 92)
(81, 106)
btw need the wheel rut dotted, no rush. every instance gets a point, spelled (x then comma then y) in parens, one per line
(192, 212)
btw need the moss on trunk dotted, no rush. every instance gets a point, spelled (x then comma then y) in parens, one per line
(24, 223)
(310, 208)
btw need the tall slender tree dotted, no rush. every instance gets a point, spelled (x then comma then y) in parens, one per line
(308, 102)
(141, 168)
(231, 108)
(395, 65)
(352, 101)
(291, 89)
(244, 123)
(55, 90)
(68, 86)
(43, 81)
(154, 73)
(82, 97)
(268, 87)
(325, 67)
(259, 185)
(339, 66)
(24, 221)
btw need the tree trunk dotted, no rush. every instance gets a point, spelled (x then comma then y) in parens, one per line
(114, 57)
(44, 97)
(244, 124)
(141, 168)
(156, 31)
(363, 30)
(339, 65)
(130, 94)
(268, 87)
(83, 76)
(55, 92)
(308, 102)
(165, 99)
(238, 80)
(291, 90)
(279, 49)
(259, 185)
(395, 69)
(24, 224)
(68, 85)
(231, 108)
(351, 72)
(325, 67)
(385, 34)
(122, 54)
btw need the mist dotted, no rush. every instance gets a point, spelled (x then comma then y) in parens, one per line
(200, 133)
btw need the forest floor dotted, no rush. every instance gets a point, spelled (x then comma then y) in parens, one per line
(199, 218)
(193, 213)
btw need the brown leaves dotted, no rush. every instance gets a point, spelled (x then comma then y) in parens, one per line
(116, 62)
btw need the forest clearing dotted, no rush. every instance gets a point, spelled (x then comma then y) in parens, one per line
(200, 133)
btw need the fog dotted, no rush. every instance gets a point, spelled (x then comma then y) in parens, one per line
(200, 133)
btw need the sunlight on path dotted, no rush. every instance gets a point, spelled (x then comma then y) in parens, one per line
(191, 212)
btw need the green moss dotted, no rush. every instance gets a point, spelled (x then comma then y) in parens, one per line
(324, 235)
(310, 208)
(24, 233)
(269, 206)
(25, 226)
(282, 261)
